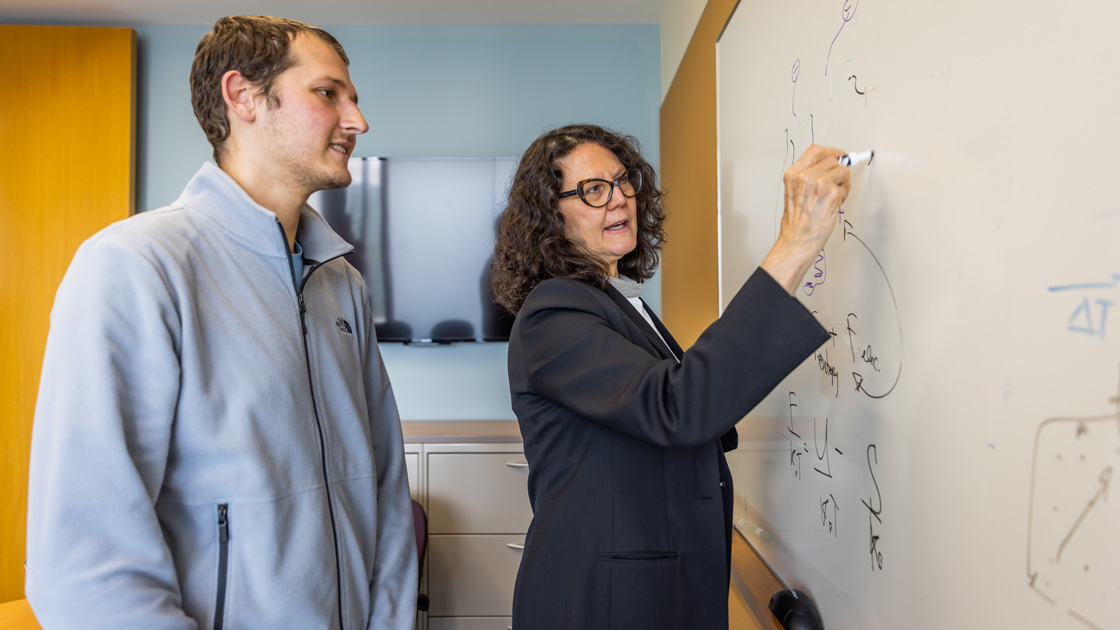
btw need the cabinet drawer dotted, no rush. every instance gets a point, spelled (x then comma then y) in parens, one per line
(478, 493)
(412, 468)
(472, 575)
(470, 623)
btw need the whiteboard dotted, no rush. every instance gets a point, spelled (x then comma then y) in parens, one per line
(946, 459)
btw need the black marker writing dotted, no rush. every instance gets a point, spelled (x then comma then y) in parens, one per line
(794, 452)
(868, 356)
(830, 512)
(874, 514)
(822, 456)
(829, 370)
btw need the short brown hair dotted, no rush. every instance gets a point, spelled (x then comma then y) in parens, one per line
(257, 46)
(532, 244)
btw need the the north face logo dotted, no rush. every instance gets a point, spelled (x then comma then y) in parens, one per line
(343, 326)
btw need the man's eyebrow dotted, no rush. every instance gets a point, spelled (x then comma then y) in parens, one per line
(342, 84)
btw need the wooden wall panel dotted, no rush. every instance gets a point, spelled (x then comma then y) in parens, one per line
(67, 113)
(690, 258)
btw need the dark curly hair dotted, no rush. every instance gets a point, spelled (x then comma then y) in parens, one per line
(532, 245)
(259, 47)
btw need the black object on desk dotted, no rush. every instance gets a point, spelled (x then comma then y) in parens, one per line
(795, 611)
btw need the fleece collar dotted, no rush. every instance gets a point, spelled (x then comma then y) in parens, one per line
(213, 194)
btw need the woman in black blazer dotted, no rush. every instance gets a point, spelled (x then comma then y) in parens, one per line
(624, 432)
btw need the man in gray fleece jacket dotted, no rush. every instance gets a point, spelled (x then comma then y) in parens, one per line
(216, 442)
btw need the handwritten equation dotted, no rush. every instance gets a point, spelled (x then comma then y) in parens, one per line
(866, 369)
(849, 292)
(1090, 305)
(811, 449)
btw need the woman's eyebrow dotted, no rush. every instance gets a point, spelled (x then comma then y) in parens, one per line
(615, 176)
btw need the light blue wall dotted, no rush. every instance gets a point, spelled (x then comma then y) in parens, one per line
(435, 92)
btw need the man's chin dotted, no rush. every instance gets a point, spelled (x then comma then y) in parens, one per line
(337, 182)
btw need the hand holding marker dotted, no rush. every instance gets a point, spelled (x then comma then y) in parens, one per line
(852, 159)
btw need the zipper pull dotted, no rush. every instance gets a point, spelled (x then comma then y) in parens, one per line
(302, 313)
(223, 523)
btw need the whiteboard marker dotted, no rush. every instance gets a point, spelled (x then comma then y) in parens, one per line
(746, 525)
(852, 159)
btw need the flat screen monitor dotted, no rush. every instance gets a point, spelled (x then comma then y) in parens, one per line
(423, 235)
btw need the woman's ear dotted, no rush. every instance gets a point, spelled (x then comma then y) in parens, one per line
(239, 95)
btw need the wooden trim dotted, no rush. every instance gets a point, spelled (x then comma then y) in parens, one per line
(689, 168)
(754, 582)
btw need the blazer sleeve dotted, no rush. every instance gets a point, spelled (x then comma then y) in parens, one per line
(578, 354)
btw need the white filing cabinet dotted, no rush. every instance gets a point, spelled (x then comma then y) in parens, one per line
(474, 492)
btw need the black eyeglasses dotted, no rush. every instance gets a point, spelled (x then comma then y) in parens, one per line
(597, 192)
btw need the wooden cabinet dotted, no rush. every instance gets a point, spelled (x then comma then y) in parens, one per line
(67, 130)
(472, 483)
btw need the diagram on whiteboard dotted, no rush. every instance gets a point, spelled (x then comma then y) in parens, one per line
(1072, 538)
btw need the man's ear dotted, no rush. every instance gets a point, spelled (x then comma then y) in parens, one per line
(239, 95)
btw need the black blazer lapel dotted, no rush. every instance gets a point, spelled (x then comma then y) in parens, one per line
(642, 324)
(673, 345)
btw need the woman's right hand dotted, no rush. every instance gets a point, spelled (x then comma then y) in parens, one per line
(816, 184)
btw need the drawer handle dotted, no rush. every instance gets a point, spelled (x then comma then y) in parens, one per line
(517, 464)
(517, 546)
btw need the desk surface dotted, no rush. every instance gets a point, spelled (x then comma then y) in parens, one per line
(17, 616)
(460, 431)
